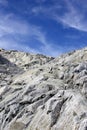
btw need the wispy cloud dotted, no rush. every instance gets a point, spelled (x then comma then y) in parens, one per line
(13, 32)
(73, 18)
(10, 44)
(4, 2)
(40, 1)
(9, 24)
(69, 15)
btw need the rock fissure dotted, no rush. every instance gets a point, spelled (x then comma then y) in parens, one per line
(43, 93)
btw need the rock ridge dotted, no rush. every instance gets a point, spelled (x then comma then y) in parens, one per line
(43, 93)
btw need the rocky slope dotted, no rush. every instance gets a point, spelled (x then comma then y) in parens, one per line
(43, 93)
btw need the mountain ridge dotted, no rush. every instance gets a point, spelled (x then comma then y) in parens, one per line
(43, 93)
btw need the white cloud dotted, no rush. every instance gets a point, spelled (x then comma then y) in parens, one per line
(4, 2)
(11, 26)
(9, 44)
(14, 31)
(72, 16)
(40, 1)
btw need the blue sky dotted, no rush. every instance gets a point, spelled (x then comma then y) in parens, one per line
(50, 27)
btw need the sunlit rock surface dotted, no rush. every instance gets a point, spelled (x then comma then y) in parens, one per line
(43, 93)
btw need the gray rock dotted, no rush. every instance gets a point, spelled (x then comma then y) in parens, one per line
(43, 93)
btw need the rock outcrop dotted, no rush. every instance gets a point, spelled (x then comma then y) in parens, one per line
(43, 93)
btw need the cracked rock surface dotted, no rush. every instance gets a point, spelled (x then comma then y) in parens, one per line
(43, 93)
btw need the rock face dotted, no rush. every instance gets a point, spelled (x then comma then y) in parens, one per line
(43, 93)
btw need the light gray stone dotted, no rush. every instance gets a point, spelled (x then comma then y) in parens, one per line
(43, 93)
